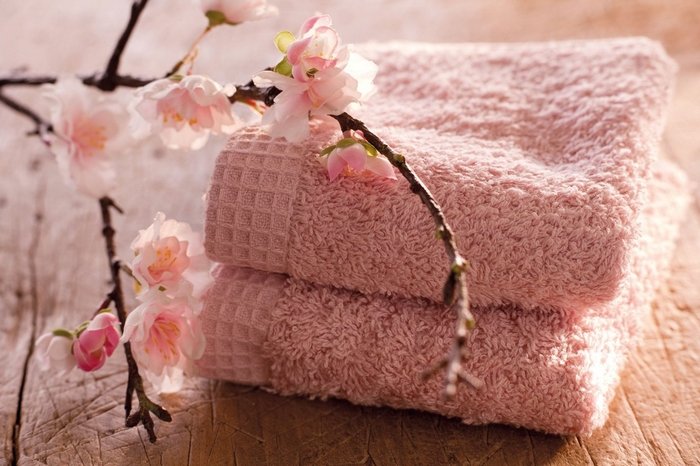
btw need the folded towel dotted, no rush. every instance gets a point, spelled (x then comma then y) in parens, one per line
(545, 370)
(538, 154)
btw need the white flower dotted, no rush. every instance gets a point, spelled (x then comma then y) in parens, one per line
(317, 77)
(54, 351)
(88, 129)
(166, 337)
(169, 258)
(236, 11)
(184, 111)
(332, 91)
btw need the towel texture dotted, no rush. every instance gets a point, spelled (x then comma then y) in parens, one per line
(539, 154)
(546, 370)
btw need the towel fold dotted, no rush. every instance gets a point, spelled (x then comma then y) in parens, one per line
(548, 370)
(538, 153)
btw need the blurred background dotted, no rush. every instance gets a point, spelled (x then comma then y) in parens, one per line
(49, 35)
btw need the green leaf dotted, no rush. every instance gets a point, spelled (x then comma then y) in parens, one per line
(327, 150)
(283, 67)
(283, 40)
(470, 323)
(62, 332)
(216, 18)
(81, 328)
(371, 150)
(346, 142)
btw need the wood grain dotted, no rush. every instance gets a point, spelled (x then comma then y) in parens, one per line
(53, 270)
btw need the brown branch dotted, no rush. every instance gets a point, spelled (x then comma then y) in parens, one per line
(89, 80)
(41, 124)
(104, 304)
(109, 82)
(135, 382)
(455, 291)
(191, 53)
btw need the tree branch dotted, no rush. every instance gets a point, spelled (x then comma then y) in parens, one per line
(89, 80)
(108, 82)
(135, 382)
(41, 124)
(191, 53)
(455, 291)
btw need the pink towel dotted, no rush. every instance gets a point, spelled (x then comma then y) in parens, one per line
(546, 370)
(538, 153)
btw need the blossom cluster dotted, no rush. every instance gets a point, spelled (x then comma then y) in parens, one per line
(172, 274)
(87, 347)
(318, 77)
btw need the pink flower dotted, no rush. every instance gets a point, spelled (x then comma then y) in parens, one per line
(236, 11)
(318, 77)
(331, 92)
(169, 258)
(88, 129)
(166, 338)
(97, 342)
(358, 156)
(184, 111)
(54, 351)
(317, 48)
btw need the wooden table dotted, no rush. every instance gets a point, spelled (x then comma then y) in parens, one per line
(53, 270)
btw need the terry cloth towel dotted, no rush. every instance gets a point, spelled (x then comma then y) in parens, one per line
(538, 153)
(545, 370)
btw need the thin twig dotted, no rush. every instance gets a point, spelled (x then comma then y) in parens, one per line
(41, 124)
(455, 292)
(108, 82)
(104, 304)
(135, 382)
(190, 53)
(89, 80)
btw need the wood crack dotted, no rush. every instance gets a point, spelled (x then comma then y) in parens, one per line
(34, 306)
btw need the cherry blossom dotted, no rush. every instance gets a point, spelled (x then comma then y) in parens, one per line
(96, 342)
(88, 130)
(331, 92)
(169, 258)
(354, 155)
(54, 351)
(317, 48)
(318, 77)
(236, 11)
(183, 111)
(166, 337)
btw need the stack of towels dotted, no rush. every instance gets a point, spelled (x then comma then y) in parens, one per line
(545, 158)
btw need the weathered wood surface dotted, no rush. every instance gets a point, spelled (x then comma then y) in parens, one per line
(53, 270)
